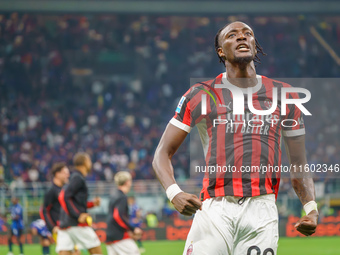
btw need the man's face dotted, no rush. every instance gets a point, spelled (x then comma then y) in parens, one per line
(129, 184)
(15, 201)
(88, 164)
(237, 43)
(63, 175)
(131, 200)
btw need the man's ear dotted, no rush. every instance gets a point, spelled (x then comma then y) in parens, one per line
(221, 53)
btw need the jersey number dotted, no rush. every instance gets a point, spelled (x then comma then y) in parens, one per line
(268, 251)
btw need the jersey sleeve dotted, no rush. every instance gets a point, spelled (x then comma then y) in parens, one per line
(66, 197)
(293, 124)
(49, 199)
(188, 110)
(120, 214)
(90, 204)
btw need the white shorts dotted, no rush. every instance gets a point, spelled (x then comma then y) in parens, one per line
(224, 227)
(84, 237)
(123, 247)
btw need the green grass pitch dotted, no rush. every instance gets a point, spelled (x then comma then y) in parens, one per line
(287, 246)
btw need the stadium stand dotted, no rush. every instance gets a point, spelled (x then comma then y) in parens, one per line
(108, 84)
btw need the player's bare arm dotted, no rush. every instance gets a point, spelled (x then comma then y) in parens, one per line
(172, 138)
(302, 182)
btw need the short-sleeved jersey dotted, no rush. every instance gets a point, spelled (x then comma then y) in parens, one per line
(17, 216)
(236, 145)
(41, 228)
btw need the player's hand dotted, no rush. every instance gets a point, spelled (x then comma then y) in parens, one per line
(137, 233)
(55, 230)
(307, 224)
(82, 217)
(96, 201)
(186, 204)
(130, 233)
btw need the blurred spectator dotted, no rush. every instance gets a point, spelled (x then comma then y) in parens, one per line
(108, 85)
(151, 220)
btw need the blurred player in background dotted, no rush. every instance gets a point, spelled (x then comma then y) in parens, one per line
(17, 225)
(238, 214)
(136, 219)
(51, 208)
(75, 222)
(120, 233)
(3, 227)
(38, 228)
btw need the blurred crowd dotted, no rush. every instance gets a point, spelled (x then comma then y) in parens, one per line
(108, 85)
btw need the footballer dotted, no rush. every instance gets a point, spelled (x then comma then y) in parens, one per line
(235, 212)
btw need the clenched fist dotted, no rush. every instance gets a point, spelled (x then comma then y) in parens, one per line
(307, 224)
(187, 204)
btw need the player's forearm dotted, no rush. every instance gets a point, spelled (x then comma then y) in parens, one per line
(120, 215)
(303, 183)
(48, 219)
(48, 202)
(70, 205)
(126, 221)
(171, 140)
(73, 211)
(50, 225)
(301, 177)
(163, 168)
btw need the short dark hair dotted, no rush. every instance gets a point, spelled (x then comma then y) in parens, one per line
(79, 158)
(259, 48)
(57, 167)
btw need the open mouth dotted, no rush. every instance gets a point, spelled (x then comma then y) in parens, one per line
(242, 47)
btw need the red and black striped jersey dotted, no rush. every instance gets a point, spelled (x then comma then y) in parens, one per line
(238, 147)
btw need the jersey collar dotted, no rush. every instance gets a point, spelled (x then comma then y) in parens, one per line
(222, 78)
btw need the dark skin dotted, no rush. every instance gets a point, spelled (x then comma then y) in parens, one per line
(173, 137)
(302, 182)
(238, 48)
